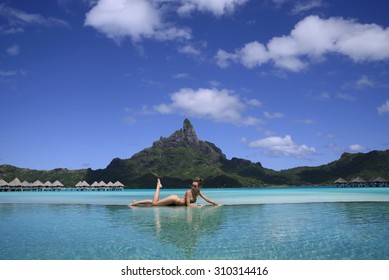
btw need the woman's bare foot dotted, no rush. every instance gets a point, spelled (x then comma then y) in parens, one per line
(159, 185)
(133, 202)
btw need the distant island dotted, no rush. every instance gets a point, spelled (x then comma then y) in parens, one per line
(182, 155)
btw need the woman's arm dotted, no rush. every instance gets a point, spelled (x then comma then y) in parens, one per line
(208, 200)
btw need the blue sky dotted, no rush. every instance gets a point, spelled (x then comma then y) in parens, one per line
(282, 82)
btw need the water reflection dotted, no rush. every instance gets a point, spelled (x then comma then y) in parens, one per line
(182, 227)
(276, 231)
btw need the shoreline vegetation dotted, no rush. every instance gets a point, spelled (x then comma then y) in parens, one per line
(182, 155)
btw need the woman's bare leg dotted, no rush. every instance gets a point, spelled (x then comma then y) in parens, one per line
(149, 201)
(170, 200)
(146, 201)
(157, 191)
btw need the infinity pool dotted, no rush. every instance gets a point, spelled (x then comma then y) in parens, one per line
(292, 223)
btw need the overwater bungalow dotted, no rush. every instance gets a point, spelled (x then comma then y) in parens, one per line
(17, 185)
(118, 184)
(340, 182)
(57, 185)
(95, 185)
(379, 182)
(47, 186)
(102, 184)
(82, 185)
(3, 185)
(358, 182)
(26, 185)
(37, 183)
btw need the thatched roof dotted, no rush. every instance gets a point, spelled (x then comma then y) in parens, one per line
(110, 184)
(118, 184)
(57, 184)
(37, 183)
(379, 179)
(3, 183)
(82, 184)
(15, 183)
(102, 184)
(47, 184)
(340, 181)
(95, 184)
(357, 180)
(26, 184)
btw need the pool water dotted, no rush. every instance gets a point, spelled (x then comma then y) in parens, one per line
(75, 226)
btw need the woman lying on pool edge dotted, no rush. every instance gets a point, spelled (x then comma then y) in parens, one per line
(189, 198)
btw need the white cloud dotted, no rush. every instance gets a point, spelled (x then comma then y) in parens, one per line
(181, 76)
(216, 7)
(276, 115)
(356, 148)
(326, 135)
(345, 96)
(129, 120)
(310, 40)
(223, 58)
(140, 19)
(251, 55)
(10, 78)
(306, 121)
(276, 145)
(17, 20)
(13, 73)
(136, 19)
(218, 105)
(364, 81)
(302, 7)
(384, 108)
(13, 50)
(189, 50)
(254, 102)
(6, 30)
(319, 96)
(215, 84)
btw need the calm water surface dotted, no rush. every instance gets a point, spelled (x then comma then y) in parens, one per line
(325, 223)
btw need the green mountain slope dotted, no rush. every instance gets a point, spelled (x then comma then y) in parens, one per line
(365, 165)
(176, 160)
(182, 156)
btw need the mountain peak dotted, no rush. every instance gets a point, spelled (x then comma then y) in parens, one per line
(181, 152)
(183, 137)
(189, 132)
(187, 124)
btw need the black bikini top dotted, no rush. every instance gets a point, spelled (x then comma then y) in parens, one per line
(193, 200)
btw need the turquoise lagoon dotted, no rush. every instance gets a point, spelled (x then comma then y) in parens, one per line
(266, 223)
